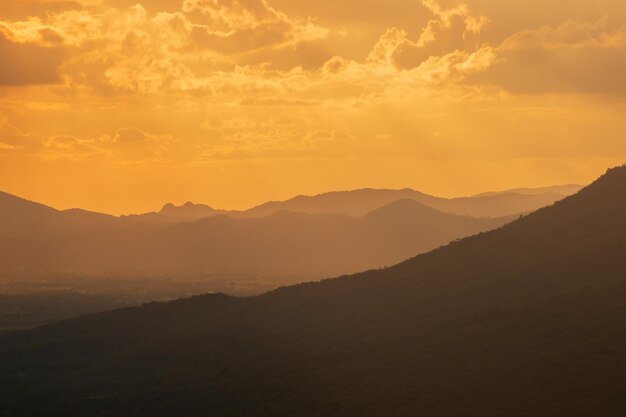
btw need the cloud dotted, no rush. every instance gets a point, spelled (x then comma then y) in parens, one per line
(240, 26)
(27, 64)
(125, 145)
(277, 101)
(228, 15)
(67, 146)
(507, 18)
(206, 83)
(569, 34)
(153, 6)
(132, 144)
(451, 30)
(133, 49)
(22, 9)
(400, 68)
(130, 135)
(573, 57)
(13, 140)
(266, 132)
(455, 28)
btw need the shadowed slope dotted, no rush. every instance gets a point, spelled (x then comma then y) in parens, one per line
(527, 320)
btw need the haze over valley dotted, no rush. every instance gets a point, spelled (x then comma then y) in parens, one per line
(501, 307)
(56, 264)
(292, 208)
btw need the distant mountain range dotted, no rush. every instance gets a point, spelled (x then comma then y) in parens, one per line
(358, 203)
(299, 239)
(526, 320)
(565, 190)
(45, 242)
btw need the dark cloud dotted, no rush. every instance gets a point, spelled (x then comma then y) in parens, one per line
(26, 64)
(152, 6)
(538, 71)
(22, 9)
(509, 17)
(571, 58)
(403, 13)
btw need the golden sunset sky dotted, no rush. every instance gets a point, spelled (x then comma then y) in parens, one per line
(123, 105)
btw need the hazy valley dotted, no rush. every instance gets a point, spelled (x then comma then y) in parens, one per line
(540, 299)
(57, 264)
(290, 208)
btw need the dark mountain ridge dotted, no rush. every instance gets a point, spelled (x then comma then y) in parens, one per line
(526, 320)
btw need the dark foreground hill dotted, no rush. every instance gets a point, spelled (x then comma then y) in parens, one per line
(527, 320)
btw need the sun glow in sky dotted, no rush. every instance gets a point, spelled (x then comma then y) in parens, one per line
(123, 105)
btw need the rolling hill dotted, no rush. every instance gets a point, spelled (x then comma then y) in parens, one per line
(526, 320)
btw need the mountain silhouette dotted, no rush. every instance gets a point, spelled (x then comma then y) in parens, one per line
(361, 202)
(188, 210)
(526, 320)
(295, 246)
(21, 217)
(358, 203)
(170, 213)
(564, 190)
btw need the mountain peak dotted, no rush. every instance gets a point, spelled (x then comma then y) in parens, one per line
(187, 205)
(406, 205)
(167, 208)
(189, 210)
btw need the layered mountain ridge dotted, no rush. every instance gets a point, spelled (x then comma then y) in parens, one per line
(528, 319)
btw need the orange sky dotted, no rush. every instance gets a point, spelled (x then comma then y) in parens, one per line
(122, 105)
